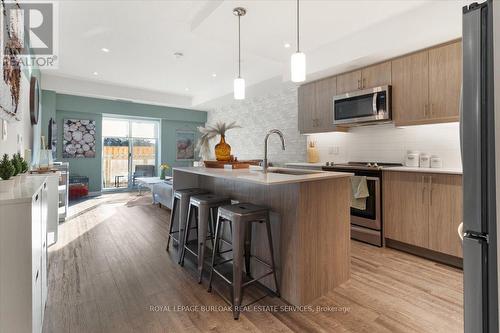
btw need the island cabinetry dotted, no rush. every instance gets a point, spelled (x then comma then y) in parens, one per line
(310, 226)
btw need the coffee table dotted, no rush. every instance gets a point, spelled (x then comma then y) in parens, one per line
(149, 182)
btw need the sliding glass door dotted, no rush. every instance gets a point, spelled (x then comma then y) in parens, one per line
(130, 151)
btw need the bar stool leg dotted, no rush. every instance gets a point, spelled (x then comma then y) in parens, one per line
(172, 218)
(217, 240)
(186, 234)
(203, 222)
(238, 241)
(248, 247)
(271, 251)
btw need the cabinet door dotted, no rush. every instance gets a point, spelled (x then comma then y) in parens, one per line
(445, 77)
(410, 89)
(445, 213)
(377, 75)
(306, 107)
(325, 90)
(406, 214)
(348, 82)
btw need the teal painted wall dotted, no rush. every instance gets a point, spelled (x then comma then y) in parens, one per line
(64, 106)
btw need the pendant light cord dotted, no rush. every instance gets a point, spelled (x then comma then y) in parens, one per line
(239, 46)
(298, 42)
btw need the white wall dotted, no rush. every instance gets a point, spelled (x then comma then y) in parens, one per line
(19, 133)
(387, 143)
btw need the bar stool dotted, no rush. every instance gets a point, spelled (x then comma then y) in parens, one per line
(206, 206)
(241, 216)
(180, 198)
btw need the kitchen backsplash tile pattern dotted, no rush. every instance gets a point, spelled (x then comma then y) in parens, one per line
(387, 143)
(278, 109)
(256, 116)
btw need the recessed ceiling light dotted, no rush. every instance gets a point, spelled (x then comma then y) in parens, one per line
(186, 89)
(286, 45)
(214, 75)
(95, 73)
(105, 50)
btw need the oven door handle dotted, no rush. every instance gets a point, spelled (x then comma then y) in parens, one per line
(374, 104)
(377, 179)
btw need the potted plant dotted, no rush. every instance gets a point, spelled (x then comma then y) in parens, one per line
(163, 170)
(16, 163)
(6, 172)
(222, 149)
(23, 165)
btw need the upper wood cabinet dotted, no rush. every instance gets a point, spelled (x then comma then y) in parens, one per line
(410, 88)
(426, 86)
(368, 77)
(445, 77)
(348, 82)
(423, 209)
(315, 106)
(376, 75)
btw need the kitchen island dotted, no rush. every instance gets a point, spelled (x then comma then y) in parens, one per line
(310, 218)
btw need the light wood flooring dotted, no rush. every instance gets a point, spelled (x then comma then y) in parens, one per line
(109, 269)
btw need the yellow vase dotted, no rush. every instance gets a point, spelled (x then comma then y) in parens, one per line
(222, 150)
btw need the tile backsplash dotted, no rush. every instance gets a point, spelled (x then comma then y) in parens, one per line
(387, 143)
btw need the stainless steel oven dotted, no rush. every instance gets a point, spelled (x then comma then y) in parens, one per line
(367, 224)
(363, 106)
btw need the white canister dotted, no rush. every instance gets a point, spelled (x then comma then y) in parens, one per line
(425, 161)
(436, 162)
(412, 158)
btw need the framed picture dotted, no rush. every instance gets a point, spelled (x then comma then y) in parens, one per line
(184, 144)
(78, 138)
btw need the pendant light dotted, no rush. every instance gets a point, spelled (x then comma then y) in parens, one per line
(298, 58)
(239, 82)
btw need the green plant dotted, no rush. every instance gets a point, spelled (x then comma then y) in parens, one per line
(16, 163)
(24, 165)
(6, 168)
(210, 132)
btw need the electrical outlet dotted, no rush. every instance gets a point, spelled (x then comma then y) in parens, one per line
(333, 150)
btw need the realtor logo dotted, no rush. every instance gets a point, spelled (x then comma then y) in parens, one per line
(29, 32)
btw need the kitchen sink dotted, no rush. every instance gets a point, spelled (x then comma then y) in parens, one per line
(293, 172)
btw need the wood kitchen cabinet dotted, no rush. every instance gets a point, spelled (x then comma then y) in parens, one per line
(423, 209)
(426, 86)
(410, 88)
(368, 77)
(445, 77)
(348, 82)
(315, 106)
(404, 198)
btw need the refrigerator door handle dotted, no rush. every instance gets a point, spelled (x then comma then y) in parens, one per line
(460, 231)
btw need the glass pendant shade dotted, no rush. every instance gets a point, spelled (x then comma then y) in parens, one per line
(298, 67)
(239, 88)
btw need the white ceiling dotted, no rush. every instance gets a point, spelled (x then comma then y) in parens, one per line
(142, 36)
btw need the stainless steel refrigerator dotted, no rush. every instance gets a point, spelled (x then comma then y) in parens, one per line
(480, 160)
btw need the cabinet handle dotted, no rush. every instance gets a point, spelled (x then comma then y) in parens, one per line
(36, 197)
(37, 273)
(430, 186)
(423, 189)
(364, 83)
(44, 185)
(359, 84)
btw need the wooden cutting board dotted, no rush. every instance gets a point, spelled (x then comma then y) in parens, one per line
(222, 164)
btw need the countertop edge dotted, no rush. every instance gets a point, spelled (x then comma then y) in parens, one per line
(34, 183)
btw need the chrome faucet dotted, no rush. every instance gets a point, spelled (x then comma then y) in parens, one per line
(273, 131)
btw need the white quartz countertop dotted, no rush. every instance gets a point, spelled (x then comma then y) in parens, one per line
(255, 175)
(22, 192)
(451, 171)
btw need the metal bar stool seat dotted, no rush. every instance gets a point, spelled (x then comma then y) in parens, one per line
(180, 202)
(241, 216)
(206, 206)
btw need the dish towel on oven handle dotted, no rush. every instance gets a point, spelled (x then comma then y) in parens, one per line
(359, 192)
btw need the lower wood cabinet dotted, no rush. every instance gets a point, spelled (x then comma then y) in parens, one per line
(423, 209)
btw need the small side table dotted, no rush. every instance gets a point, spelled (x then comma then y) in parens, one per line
(117, 181)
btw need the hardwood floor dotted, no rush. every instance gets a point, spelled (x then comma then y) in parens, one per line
(109, 272)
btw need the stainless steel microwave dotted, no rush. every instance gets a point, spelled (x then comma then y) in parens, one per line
(363, 106)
